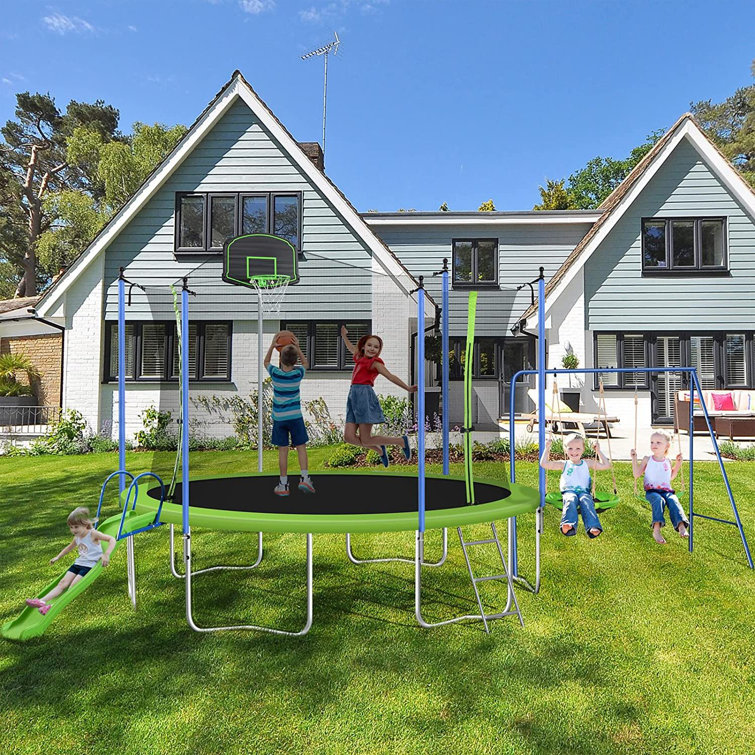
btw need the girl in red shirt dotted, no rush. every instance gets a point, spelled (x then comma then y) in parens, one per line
(362, 407)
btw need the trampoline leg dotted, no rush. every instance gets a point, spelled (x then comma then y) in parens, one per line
(189, 575)
(522, 581)
(355, 560)
(178, 574)
(131, 570)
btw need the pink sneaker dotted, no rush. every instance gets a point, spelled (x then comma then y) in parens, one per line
(44, 609)
(306, 486)
(35, 602)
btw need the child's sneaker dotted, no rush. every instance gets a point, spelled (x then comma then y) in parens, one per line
(383, 456)
(44, 609)
(407, 448)
(281, 489)
(35, 602)
(306, 486)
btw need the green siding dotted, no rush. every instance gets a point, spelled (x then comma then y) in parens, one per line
(618, 297)
(522, 249)
(239, 155)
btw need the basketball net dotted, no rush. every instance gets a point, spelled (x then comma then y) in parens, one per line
(271, 289)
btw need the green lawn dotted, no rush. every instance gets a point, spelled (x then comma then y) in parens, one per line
(629, 647)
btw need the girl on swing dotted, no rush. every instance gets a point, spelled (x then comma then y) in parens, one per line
(576, 484)
(658, 491)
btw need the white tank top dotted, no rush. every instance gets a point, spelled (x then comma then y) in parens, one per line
(576, 477)
(658, 475)
(89, 551)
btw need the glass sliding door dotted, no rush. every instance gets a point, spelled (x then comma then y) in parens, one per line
(665, 384)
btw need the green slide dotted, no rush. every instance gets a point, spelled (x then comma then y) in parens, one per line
(31, 623)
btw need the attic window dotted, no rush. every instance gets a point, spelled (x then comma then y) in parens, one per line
(205, 221)
(684, 245)
(475, 263)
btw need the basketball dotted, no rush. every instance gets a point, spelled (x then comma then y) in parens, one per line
(285, 338)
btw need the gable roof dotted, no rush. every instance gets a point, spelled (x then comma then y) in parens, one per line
(235, 89)
(621, 198)
(11, 305)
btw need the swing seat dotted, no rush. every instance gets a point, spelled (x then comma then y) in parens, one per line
(603, 501)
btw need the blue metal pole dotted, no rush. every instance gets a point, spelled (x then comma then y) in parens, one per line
(121, 381)
(421, 401)
(541, 381)
(445, 368)
(691, 456)
(185, 406)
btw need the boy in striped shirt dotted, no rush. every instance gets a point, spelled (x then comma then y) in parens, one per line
(288, 423)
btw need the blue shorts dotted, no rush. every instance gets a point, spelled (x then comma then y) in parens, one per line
(363, 407)
(293, 427)
(80, 570)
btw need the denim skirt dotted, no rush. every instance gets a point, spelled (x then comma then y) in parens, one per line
(363, 407)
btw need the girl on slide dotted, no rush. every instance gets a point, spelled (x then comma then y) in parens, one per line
(88, 540)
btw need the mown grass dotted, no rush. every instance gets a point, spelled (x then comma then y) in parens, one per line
(629, 647)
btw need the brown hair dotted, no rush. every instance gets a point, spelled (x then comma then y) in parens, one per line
(289, 355)
(363, 340)
(80, 515)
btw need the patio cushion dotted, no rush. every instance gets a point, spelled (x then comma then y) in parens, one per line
(723, 402)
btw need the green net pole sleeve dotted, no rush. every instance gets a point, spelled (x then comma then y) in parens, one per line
(468, 366)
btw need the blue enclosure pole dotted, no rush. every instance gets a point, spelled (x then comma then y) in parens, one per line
(121, 380)
(185, 405)
(444, 367)
(421, 401)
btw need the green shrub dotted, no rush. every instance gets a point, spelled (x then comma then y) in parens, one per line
(736, 451)
(372, 458)
(100, 444)
(155, 436)
(398, 415)
(322, 430)
(343, 455)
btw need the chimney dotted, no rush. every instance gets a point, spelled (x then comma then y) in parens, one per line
(314, 152)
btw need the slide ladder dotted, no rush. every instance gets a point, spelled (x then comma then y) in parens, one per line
(505, 575)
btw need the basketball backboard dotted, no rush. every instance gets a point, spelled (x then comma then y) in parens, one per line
(261, 256)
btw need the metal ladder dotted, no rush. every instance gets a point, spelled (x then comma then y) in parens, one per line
(505, 575)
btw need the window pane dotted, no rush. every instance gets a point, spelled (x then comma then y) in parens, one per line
(701, 353)
(191, 234)
(457, 351)
(356, 331)
(736, 373)
(254, 215)
(682, 243)
(286, 219)
(153, 350)
(462, 262)
(486, 262)
(222, 220)
(487, 358)
(215, 350)
(327, 337)
(654, 243)
(606, 357)
(192, 352)
(300, 329)
(712, 242)
(130, 351)
(633, 355)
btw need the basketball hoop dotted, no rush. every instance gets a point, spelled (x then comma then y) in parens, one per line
(270, 289)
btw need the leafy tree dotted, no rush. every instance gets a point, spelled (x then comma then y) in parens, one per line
(486, 206)
(33, 164)
(731, 127)
(555, 196)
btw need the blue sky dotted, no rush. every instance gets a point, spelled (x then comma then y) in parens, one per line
(428, 100)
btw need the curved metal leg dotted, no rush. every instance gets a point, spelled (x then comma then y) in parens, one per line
(526, 584)
(355, 560)
(419, 547)
(188, 576)
(178, 574)
(131, 570)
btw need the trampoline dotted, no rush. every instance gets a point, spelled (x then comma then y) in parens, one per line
(343, 503)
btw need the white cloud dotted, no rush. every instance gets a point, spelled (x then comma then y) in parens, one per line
(130, 27)
(339, 8)
(61, 24)
(12, 79)
(255, 7)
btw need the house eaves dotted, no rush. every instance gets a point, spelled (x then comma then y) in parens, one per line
(617, 203)
(490, 219)
(236, 88)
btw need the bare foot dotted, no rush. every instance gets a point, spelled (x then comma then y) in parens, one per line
(595, 531)
(658, 537)
(683, 531)
(566, 528)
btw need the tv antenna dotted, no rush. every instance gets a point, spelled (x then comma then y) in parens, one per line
(325, 50)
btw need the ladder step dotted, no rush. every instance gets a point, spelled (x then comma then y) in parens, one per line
(480, 542)
(486, 579)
